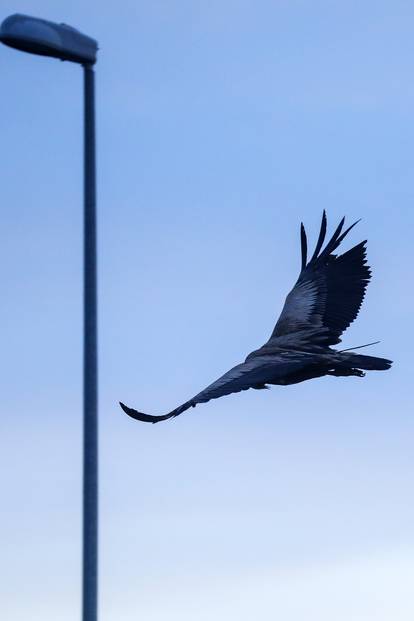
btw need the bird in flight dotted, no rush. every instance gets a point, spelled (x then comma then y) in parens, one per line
(324, 301)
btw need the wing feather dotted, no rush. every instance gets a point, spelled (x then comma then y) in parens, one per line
(304, 245)
(321, 238)
(253, 373)
(329, 291)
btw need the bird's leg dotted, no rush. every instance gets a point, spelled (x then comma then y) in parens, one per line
(346, 372)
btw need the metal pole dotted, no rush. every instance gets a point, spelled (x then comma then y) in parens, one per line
(90, 370)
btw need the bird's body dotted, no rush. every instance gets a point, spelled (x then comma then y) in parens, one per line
(324, 301)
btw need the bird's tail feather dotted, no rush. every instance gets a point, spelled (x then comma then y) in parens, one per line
(368, 363)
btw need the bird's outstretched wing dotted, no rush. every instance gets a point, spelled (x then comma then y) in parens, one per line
(329, 291)
(253, 373)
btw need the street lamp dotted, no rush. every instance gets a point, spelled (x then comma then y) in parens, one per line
(45, 38)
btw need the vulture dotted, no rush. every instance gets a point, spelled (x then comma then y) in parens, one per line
(324, 301)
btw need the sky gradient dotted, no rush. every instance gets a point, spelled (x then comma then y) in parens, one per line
(221, 126)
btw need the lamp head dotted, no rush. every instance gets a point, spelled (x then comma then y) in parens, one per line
(39, 36)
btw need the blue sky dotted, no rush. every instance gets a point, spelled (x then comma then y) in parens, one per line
(221, 126)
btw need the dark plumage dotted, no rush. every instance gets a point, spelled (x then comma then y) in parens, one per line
(323, 303)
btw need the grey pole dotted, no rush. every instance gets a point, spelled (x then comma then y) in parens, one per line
(45, 38)
(90, 369)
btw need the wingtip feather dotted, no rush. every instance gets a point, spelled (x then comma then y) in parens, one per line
(146, 418)
(304, 246)
(321, 237)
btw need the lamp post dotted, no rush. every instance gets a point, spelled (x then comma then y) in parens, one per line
(45, 38)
